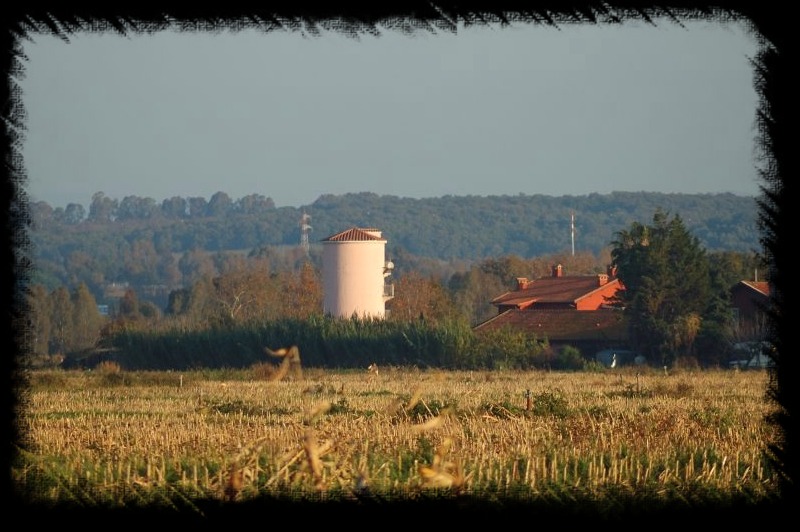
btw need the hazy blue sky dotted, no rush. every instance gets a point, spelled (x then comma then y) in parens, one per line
(487, 111)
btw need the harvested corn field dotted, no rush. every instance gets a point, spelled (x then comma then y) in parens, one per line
(236, 435)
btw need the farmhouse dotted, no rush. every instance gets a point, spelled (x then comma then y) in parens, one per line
(574, 310)
(578, 310)
(749, 300)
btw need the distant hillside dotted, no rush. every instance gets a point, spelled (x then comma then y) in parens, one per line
(137, 240)
(475, 227)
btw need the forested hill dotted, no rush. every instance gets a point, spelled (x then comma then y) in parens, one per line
(115, 238)
(476, 227)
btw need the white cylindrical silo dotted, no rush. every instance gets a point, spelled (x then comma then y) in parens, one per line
(353, 268)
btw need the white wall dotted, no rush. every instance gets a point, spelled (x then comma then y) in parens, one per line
(352, 277)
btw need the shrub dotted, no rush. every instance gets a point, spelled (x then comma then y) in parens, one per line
(263, 371)
(108, 367)
(109, 373)
(568, 358)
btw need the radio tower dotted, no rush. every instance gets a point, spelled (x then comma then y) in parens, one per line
(572, 230)
(305, 228)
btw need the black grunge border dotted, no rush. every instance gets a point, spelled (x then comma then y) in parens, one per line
(773, 71)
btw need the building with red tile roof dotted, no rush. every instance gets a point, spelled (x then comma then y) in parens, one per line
(577, 292)
(750, 300)
(575, 310)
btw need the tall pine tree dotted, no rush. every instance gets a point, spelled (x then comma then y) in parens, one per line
(668, 286)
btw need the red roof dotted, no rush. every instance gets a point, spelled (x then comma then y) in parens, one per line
(567, 289)
(760, 286)
(561, 324)
(355, 234)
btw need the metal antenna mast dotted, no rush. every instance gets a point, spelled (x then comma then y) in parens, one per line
(572, 230)
(305, 228)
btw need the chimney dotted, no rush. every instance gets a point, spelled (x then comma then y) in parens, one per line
(557, 270)
(602, 279)
(522, 283)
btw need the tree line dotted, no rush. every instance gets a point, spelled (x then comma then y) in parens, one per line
(158, 246)
(677, 297)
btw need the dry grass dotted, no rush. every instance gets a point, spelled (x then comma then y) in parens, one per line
(410, 430)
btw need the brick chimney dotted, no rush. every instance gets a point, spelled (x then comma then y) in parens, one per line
(602, 279)
(522, 283)
(558, 270)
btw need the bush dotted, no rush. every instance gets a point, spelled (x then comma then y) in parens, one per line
(108, 367)
(688, 363)
(264, 371)
(109, 373)
(568, 358)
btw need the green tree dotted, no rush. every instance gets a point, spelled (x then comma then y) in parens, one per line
(254, 204)
(178, 301)
(236, 295)
(303, 292)
(730, 267)
(102, 209)
(715, 339)
(219, 205)
(506, 269)
(129, 305)
(419, 297)
(137, 208)
(175, 207)
(141, 262)
(86, 319)
(197, 207)
(718, 333)
(39, 315)
(74, 214)
(668, 289)
(82, 267)
(203, 308)
(472, 293)
(167, 271)
(42, 214)
(60, 320)
(149, 311)
(195, 265)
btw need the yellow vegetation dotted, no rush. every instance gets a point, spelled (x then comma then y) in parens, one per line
(412, 429)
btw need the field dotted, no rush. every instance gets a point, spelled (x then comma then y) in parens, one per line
(110, 437)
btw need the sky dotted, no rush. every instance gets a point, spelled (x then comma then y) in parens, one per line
(487, 110)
